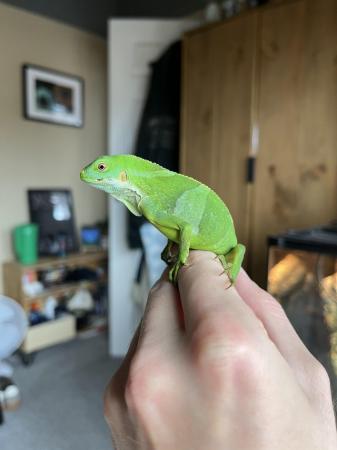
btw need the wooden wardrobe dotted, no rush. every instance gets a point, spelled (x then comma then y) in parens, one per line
(259, 118)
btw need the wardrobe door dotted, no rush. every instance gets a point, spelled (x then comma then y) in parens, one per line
(197, 109)
(295, 183)
(317, 147)
(218, 65)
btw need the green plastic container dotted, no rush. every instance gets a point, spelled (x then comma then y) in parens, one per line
(25, 243)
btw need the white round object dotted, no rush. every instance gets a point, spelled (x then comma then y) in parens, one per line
(13, 326)
(212, 12)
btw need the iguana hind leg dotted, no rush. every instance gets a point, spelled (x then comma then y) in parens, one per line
(231, 261)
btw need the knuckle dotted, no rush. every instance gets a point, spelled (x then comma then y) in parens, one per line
(314, 380)
(217, 330)
(208, 339)
(271, 305)
(319, 376)
(223, 347)
(145, 385)
(275, 306)
(132, 392)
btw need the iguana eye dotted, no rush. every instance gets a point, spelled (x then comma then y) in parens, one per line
(101, 167)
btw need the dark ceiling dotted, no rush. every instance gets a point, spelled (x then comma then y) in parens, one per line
(92, 15)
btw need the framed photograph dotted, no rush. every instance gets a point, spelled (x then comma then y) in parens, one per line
(53, 97)
(53, 211)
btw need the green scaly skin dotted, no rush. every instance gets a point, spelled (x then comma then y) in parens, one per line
(186, 211)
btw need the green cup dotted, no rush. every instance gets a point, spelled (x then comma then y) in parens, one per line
(25, 243)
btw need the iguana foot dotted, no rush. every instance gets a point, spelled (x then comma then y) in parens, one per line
(173, 273)
(231, 262)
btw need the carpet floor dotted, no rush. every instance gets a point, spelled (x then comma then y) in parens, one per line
(62, 392)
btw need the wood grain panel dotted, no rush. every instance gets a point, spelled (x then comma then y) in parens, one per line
(317, 151)
(296, 164)
(275, 68)
(234, 51)
(197, 114)
(280, 81)
(217, 89)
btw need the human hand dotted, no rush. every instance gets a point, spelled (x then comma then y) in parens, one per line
(218, 369)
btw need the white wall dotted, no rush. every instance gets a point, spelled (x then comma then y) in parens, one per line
(132, 44)
(41, 155)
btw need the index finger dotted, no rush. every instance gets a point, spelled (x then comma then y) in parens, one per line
(204, 297)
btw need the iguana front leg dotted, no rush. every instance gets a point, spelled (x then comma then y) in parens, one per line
(168, 223)
(184, 247)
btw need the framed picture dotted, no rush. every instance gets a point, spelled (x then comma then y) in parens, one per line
(52, 211)
(53, 97)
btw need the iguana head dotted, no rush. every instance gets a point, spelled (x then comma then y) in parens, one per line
(111, 174)
(105, 173)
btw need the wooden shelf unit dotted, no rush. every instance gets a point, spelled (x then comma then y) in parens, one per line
(58, 330)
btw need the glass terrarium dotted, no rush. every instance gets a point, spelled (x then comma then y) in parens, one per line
(302, 275)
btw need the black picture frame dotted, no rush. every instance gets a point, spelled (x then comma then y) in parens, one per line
(53, 211)
(52, 96)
